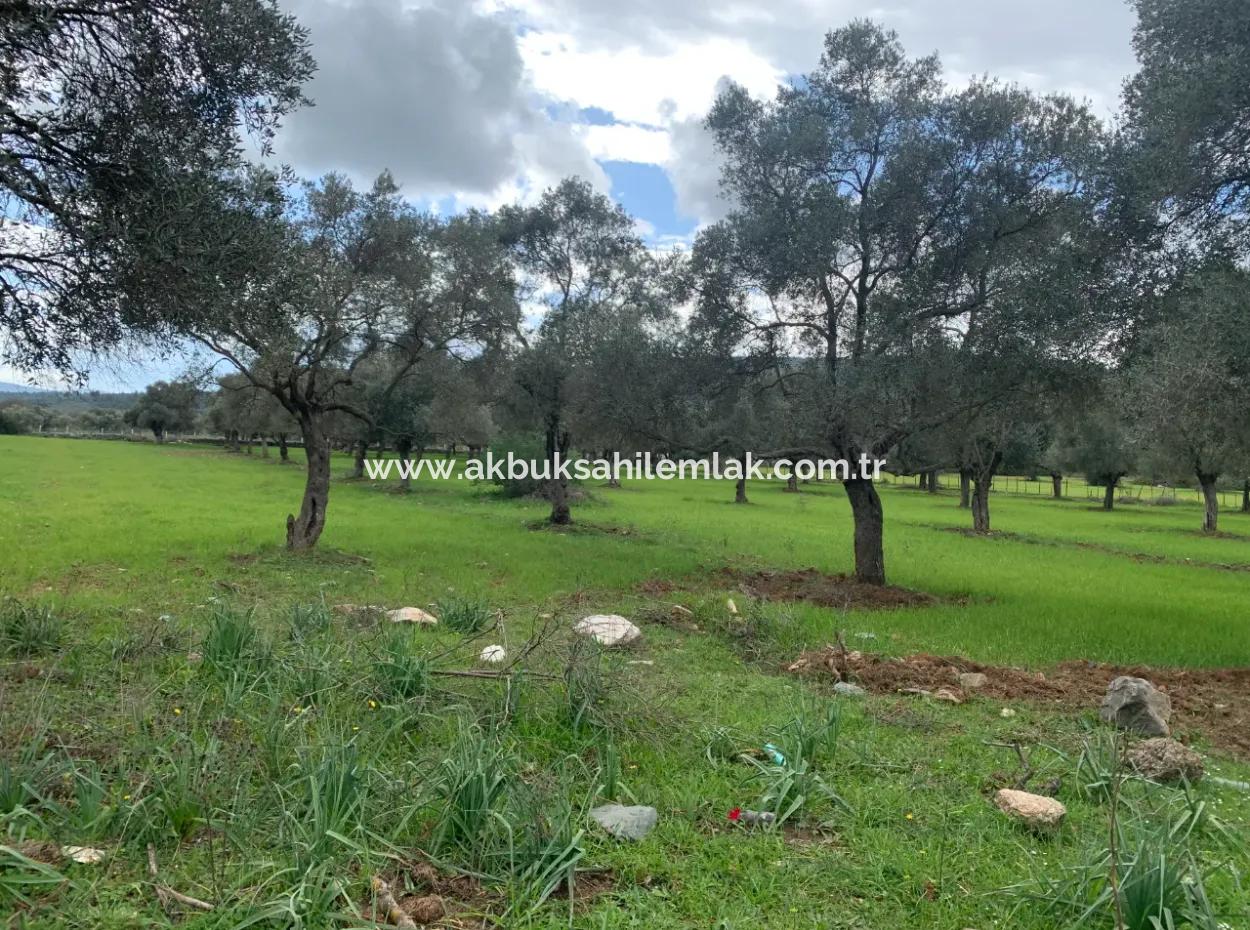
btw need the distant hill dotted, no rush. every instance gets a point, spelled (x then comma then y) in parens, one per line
(66, 401)
(8, 387)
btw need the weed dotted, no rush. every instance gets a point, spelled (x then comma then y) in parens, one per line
(402, 673)
(29, 629)
(469, 787)
(232, 642)
(465, 615)
(310, 620)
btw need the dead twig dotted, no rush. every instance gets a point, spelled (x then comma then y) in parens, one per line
(167, 895)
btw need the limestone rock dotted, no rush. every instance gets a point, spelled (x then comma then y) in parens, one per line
(412, 615)
(1033, 810)
(971, 681)
(626, 823)
(846, 689)
(607, 629)
(1134, 704)
(493, 655)
(1165, 760)
(947, 696)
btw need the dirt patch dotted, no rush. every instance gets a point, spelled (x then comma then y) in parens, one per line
(839, 591)
(434, 898)
(1212, 702)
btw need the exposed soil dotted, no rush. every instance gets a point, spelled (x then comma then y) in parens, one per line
(839, 591)
(434, 898)
(1213, 702)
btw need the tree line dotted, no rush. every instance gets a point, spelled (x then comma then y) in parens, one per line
(955, 279)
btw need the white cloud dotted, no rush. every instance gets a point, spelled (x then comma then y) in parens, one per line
(623, 142)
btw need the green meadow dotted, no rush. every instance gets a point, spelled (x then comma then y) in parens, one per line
(172, 680)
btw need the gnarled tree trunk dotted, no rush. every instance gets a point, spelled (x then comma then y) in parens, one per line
(1108, 497)
(303, 531)
(965, 488)
(933, 481)
(557, 484)
(284, 453)
(982, 480)
(924, 481)
(869, 521)
(792, 482)
(1210, 502)
(1056, 485)
(360, 449)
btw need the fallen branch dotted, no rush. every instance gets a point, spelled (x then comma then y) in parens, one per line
(165, 894)
(390, 907)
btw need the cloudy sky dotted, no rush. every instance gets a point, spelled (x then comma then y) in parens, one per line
(479, 102)
(482, 101)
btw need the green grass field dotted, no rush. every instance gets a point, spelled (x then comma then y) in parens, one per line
(193, 696)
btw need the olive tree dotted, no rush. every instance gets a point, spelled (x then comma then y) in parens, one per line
(341, 279)
(879, 220)
(165, 406)
(116, 120)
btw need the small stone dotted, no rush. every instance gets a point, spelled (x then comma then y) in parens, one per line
(626, 823)
(646, 662)
(607, 629)
(947, 696)
(412, 615)
(681, 613)
(83, 855)
(971, 681)
(1165, 760)
(1006, 712)
(733, 608)
(1135, 704)
(847, 689)
(916, 692)
(1034, 810)
(493, 655)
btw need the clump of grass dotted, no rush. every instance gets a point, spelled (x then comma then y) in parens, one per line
(584, 687)
(310, 620)
(25, 777)
(401, 672)
(334, 802)
(29, 629)
(465, 614)
(232, 642)
(469, 787)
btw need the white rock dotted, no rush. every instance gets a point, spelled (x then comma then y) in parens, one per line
(1035, 810)
(607, 629)
(971, 681)
(83, 855)
(411, 615)
(493, 655)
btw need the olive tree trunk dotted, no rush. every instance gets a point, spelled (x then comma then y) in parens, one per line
(360, 449)
(982, 480)
(1210, 501)
(1056, 485)
(1108, 497)
(934, 484)
(557, 484)
(869, 520)
(965, 488)
(303, 531)
(792, 482)
(404, 449)
(740, 486)
(1245, 496)
(284, 453)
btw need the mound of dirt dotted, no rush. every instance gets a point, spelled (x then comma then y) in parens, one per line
(1213, 702)
(838, 591)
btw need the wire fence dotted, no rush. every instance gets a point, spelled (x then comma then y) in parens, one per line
(1126, 492)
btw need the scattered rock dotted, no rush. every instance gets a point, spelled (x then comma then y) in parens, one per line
(83, 855)
(493, 655)
(947, 696)
(640, 662)
(1033, 810)
(1135, 704)
(846, 689)
(916, 692)
(681, 613)
(971, 681)
(1006, 712)
(626, 823)
(733, 608)
(412, 615)
(607, 629)
(1165, 760)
